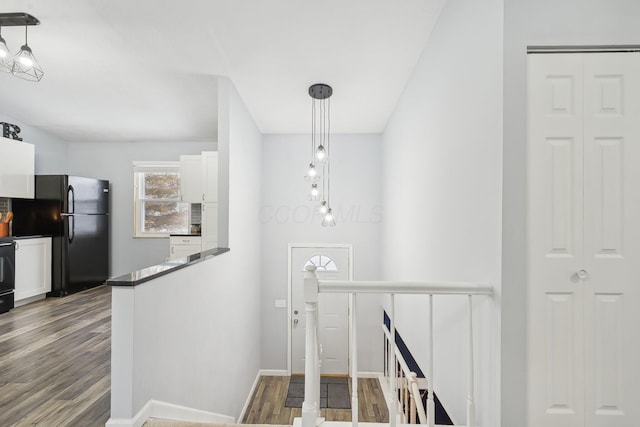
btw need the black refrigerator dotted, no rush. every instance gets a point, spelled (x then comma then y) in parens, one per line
(74, 211)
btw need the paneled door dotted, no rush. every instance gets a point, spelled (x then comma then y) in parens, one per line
(333, 263)
(584, 239)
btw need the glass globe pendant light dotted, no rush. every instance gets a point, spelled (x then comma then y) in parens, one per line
(324, 208)
(320, 149)
(25, 65)
(5, 55)
(328, 219)
(314, 193)
(312, 173)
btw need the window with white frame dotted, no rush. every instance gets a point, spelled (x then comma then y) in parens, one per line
(321, 262)
(158, 210)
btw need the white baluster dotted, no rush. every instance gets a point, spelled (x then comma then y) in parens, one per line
(354, 362)
(431, 408)
(412, 398)
(471, 406)
(310, 406)
(318, 364)
(393, 379)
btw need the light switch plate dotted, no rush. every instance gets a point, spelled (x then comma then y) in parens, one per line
(281, 303)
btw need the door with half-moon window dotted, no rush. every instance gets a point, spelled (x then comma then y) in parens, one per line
(332, 263)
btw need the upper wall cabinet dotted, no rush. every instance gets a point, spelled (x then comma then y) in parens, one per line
(210, 176)
(191, 178)
(17, 167)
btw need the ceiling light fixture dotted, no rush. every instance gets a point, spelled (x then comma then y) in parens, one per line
(321, 149)
(5, 55)
(24, 64)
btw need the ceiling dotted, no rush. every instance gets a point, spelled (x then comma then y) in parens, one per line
(146, 70)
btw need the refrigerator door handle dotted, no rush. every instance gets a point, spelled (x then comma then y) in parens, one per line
(71, 199)
(72, 228)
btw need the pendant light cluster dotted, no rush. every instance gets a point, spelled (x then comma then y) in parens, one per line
(23, 64)
(320, 167)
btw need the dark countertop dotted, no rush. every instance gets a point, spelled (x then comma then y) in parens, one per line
(150, 273)
(12, 238)
(186, 235)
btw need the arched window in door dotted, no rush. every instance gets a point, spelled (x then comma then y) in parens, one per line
(322, 263)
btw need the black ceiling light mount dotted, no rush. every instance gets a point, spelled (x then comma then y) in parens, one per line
(17, 19)
(320, 91)
(24, 63)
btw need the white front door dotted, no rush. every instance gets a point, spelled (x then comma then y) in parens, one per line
(333, 309)
(584, 239)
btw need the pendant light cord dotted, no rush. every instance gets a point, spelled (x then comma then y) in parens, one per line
(313, 129)
(328, 121)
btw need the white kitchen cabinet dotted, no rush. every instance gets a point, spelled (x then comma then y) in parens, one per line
(191, 178)
(182, 246)
(210, 176)
(33, 269)
(209, 226)
(17, 168)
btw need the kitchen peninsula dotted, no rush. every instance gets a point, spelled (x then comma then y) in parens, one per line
(153, 272)
(158, 314)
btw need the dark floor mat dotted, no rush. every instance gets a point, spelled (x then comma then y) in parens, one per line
(334, 393)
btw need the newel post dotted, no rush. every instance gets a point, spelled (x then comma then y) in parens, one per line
(311, 405)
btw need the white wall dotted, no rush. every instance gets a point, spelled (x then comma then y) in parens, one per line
(196, 332)
(51, 151)
(113, 161)
(287, 216)
(546, 22)
(442, 154)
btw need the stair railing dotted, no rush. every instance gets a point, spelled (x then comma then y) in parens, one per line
(409, 399)
(312, 286)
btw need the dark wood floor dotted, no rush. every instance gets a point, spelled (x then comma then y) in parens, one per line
(55, 361)
(267, 403)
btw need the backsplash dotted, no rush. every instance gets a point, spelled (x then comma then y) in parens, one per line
(4, 204)
(196, 213)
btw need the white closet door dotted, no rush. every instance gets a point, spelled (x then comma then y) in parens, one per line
(584, 239)
(612, 238)
(555, 308)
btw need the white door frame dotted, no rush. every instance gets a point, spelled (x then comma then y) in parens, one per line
(293, 246)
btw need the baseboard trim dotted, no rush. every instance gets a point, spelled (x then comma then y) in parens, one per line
(273, 372)
(245, 408)
(169, 411)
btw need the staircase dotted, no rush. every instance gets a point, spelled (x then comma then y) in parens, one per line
(397, 402)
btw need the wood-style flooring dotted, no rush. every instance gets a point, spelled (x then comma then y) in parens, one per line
(267, 403)
(55, 361)
(55, 369)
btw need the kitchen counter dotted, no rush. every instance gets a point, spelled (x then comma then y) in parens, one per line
(149, 273)
(12, 238)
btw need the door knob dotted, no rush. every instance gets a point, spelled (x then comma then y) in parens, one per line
(582, 274)
(295, 322)
(295, 311)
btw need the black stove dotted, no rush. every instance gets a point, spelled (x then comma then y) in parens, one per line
(7, 274)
